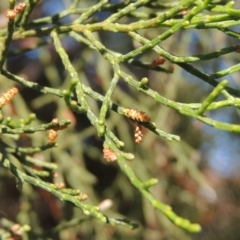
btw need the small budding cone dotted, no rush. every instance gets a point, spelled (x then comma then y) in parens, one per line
(8, 96)
(55, 122)
(56, 127)
(20, 7)
(16, 228)
(82, 196)
(59, 185)
(12, 13)
(138, 134)
(137, 115)
(109, 155)
(184, 12)
(105, 204)
(156, 62)
(52, 135)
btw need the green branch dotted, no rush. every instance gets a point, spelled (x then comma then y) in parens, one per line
(143, 188)
(88, 210)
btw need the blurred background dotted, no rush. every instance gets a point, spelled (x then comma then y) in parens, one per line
(198, 177)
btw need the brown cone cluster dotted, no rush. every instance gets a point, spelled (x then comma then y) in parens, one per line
(109, 155)
(12, 13)
(8, 96)
(139, 116)
(138, 134)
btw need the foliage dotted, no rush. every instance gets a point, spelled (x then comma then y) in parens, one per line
(99, 78)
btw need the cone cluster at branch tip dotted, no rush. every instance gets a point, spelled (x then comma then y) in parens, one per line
(12, 13)
(138, 134)
(139, 116)
(82, 196)
(109, 155)
(52, 135)
(59, 185)
(8, 96)
(56, 126)
(158, 61)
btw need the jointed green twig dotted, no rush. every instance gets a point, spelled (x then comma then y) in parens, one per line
(187, 14)
(87, 209)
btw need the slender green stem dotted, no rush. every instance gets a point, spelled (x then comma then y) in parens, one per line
(167, 33)
(32, 85)
(87, 209)
(124, 11)
(182, 62)
(165, 209)
(211, 97)
(8, 38)
(106, 103)
(27, 12)
(29, 129)
(71, 70)
(87, 14)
